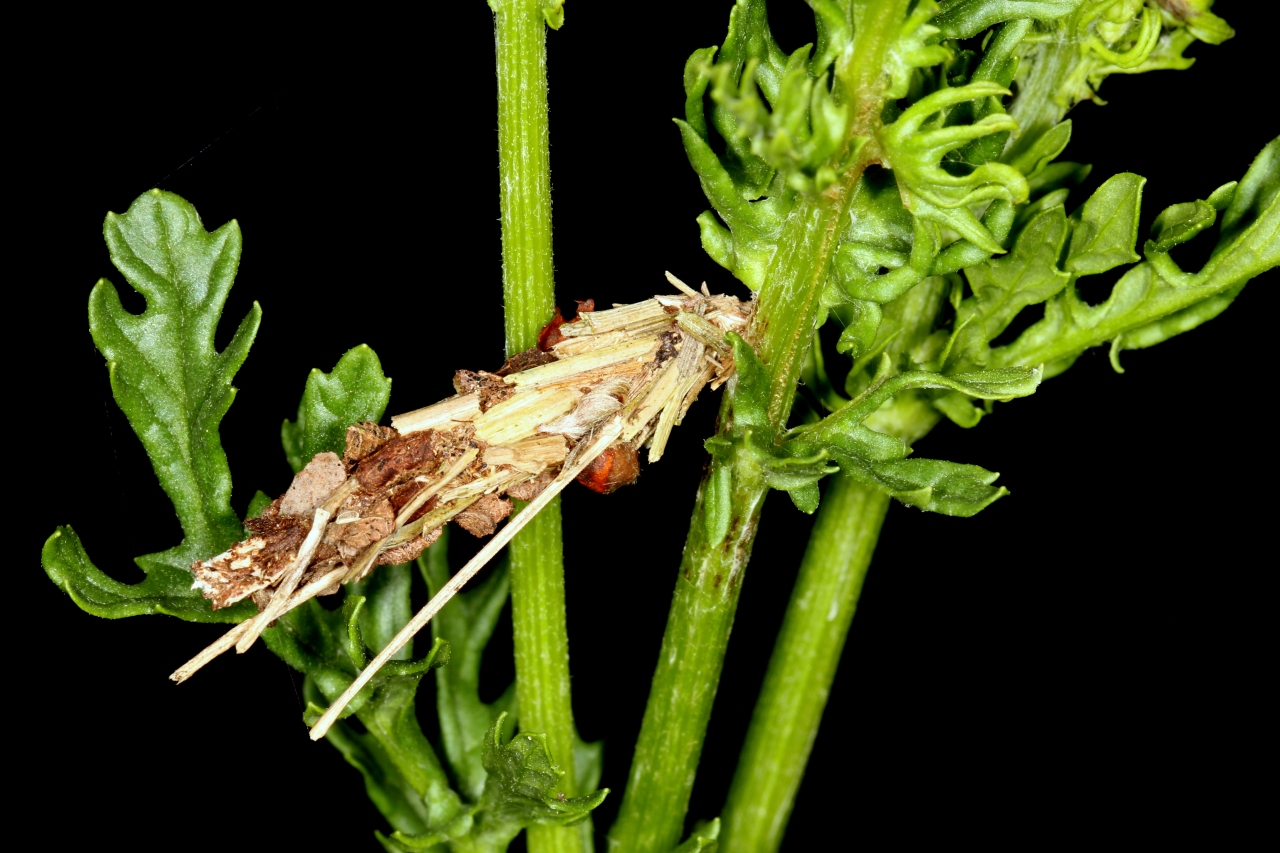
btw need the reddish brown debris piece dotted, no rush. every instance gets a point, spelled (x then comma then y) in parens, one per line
(396, 460)
(532, 357)
(617, 467)
(550, 334)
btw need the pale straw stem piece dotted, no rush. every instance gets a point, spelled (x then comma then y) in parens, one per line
(681, 286)
(598, 445)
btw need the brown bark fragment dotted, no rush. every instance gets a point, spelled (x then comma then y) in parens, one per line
(397, 460)
(401, 495)
(363, 439)
(668, 347)
(254, 564)
(530, 489)
(313, 485)
(532, 357)
(408, 551)
(353, 537)
(483, 516)
(489, 387)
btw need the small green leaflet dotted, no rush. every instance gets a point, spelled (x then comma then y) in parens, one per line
(355, 391)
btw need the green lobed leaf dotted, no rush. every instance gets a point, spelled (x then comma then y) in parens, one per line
(1155, 299)
(355, 391)
(174, 387)
(523, 784)
(1003, 287)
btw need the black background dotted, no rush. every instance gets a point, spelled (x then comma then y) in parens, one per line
(1085, 656)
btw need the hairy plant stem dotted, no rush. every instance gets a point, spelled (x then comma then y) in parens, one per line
(802, 667)
(528, 287)
(652, 814)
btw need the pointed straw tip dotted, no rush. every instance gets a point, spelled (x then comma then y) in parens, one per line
(680, 285)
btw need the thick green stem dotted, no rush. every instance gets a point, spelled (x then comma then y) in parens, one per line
(651, 818)
(802, 668)
(528, 286)
(684, 685)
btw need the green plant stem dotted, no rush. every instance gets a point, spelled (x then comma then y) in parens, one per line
(524, 166)
(537, 561)
(651, 817)
(802, 667)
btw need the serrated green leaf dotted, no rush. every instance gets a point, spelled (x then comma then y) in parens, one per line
(1004, 286)
(1002, 384)
(1253, 198)
(860, 335)
(1104, 233)
(174, 388)
(523, 784)
(915, 149)
(355, 391)
(878, 460)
